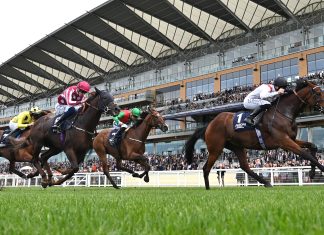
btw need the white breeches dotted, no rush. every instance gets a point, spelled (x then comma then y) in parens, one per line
(13, 125)
(254, 103)
(60, 109)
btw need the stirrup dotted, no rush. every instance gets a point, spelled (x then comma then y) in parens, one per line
(112, 142)
(56, 129)
(249, 121)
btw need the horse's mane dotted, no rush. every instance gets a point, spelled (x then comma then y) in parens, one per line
(92, 96)
(301, 83)
(41, 114)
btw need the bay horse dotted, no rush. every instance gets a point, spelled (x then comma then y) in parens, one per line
(278, 128)
(74, 141)
(132, 146)
(15, 154)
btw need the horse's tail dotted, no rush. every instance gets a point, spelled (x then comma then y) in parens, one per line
(190, 144)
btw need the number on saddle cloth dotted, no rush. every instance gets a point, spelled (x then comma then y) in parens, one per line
(238, 122)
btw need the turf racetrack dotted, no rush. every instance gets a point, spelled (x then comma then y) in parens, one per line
(237, 210)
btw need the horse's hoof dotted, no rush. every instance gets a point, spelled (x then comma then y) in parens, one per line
(44, 185)
(311, 174)
(116, 187)
(268, 185)
(146, 179)
(135, 175)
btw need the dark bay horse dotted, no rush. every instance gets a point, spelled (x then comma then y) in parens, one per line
(132, 146)
(75, 141)
(278, 128)
(15, 154)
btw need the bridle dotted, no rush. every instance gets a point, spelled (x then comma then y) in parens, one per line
(313, 94)
(154, 115)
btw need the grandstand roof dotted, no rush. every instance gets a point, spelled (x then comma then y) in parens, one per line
(121, 35)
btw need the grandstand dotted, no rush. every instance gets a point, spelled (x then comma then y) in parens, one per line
(191, 59)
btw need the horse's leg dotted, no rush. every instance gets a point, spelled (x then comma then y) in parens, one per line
(121, 167)
(241, 154)
(33, 174)
(36, 162)
(12, 169)
(74, 167)
(44, 162)
(313, 149)
(214, 151)
(290, 145)
(101, 152)
(144, 163)
(63, 171)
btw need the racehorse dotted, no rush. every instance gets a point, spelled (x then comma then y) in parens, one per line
(74, 141)
(278, 128)
(25, 154)
(132, 146)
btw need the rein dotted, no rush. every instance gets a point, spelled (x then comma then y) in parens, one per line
(80, 129)
(88, 132)
(299, 97)
(140, 141)
(92, 106)
(136, 140)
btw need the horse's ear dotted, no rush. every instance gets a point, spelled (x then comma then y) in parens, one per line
(97, 90)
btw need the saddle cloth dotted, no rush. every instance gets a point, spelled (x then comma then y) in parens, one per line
(240, 125)
(238, 122)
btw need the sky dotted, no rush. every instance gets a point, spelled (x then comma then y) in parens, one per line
(24, 22)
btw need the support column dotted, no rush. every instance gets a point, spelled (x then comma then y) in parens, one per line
(302, 65)
(256, 74)
(217, 83)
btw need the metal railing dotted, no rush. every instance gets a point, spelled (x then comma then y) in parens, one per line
(298, 176)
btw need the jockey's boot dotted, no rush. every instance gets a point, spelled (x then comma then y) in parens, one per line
(250, 119)
(5, 139)
(58, 122)
(117, 136)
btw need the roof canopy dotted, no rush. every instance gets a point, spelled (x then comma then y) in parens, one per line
(122, 34)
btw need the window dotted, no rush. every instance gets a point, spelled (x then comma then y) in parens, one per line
(287, 69)
(315, 62)
(235, 79)
(201, 86)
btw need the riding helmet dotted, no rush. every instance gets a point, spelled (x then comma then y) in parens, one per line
(35, 110)
(136, 112)
(84, 86)
(280, 82)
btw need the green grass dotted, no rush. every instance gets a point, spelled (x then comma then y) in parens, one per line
(237, 210)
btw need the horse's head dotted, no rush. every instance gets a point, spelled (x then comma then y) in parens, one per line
(310, 94)
(104, 102)
(156, 120)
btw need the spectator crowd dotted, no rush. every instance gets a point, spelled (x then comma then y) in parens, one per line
(257, 159)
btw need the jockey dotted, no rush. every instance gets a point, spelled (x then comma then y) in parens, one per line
(69, 101)
(122, 120)
(19, 123)
(256, 100)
